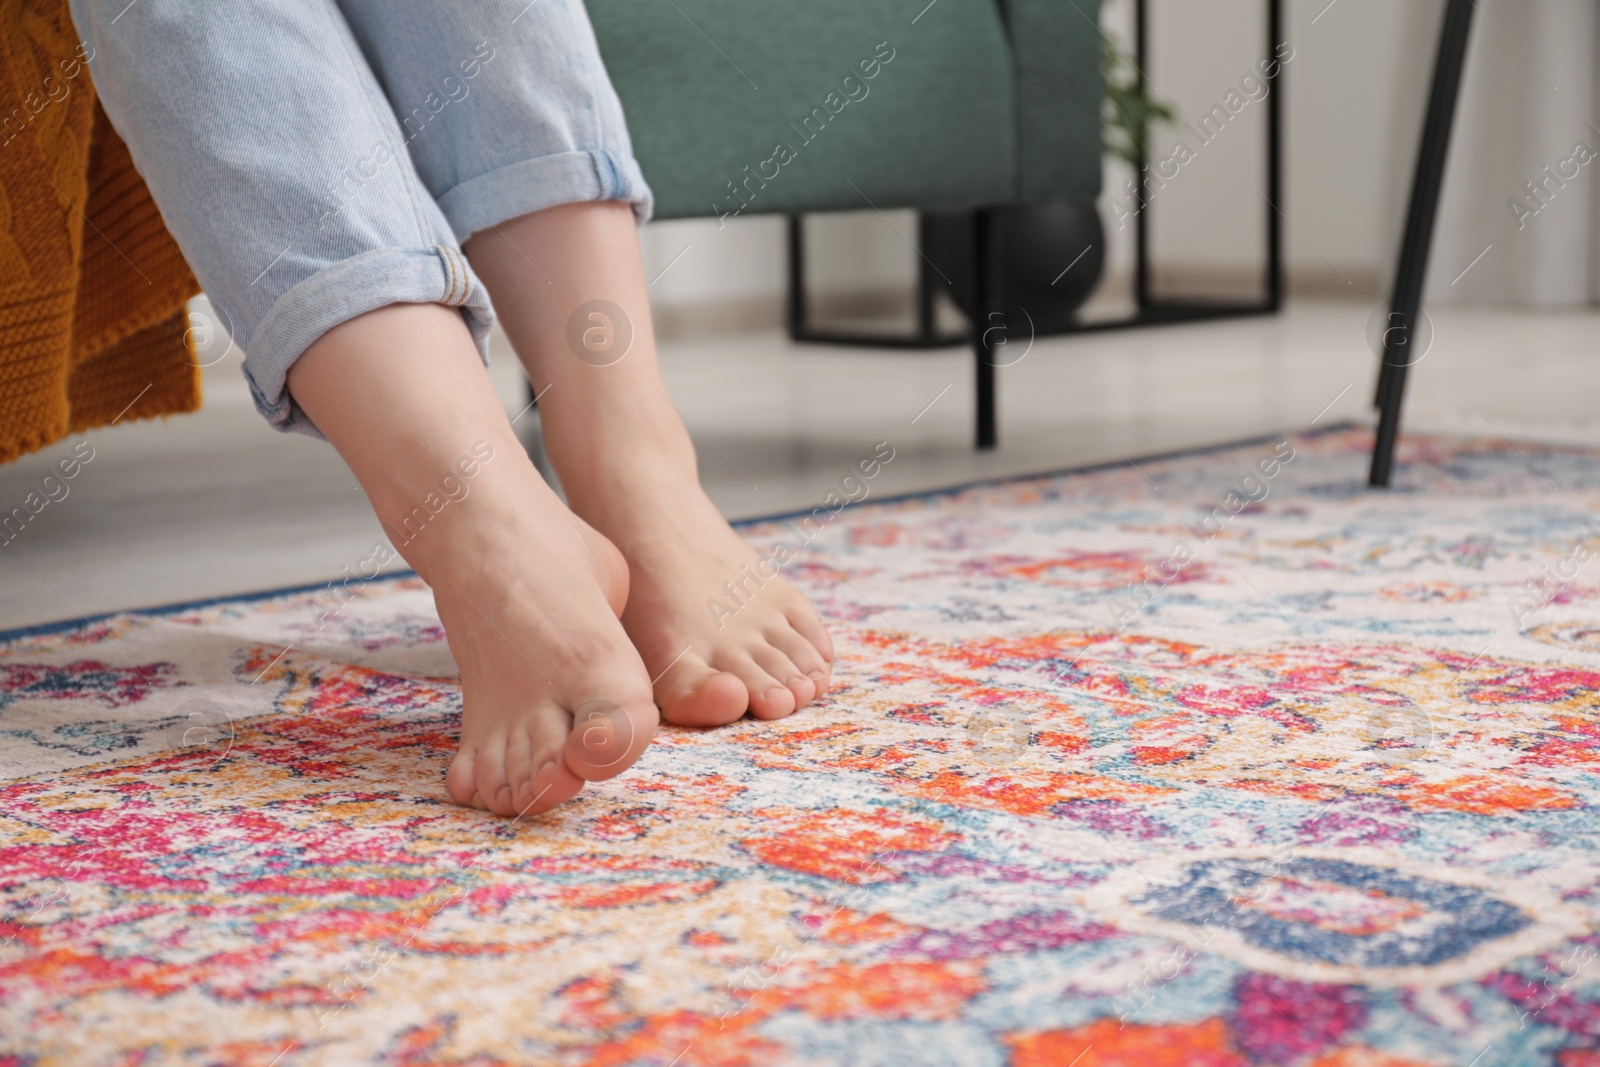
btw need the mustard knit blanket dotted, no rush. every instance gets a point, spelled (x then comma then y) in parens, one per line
(93, 328)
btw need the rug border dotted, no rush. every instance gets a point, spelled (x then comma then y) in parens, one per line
(1060, 472)
(86, 621)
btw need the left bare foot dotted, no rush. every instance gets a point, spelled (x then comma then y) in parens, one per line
(718, 628)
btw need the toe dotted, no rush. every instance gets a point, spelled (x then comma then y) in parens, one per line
(822, 680)
(606, 738)
(521, 772)
(460, 780)
(805, 623)
(769, 697)
(490, 781)
(519, 767)
(772, 660)
(553, 783)
(538, 777)
(811, 667)
(693, 693)
(803, 688)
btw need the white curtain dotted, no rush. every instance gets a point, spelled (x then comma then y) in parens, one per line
(1527, 103)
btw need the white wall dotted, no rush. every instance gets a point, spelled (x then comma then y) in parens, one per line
(1352, 102)
(1526, 117)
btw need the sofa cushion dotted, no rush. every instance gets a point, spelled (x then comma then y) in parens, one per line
(738, 107)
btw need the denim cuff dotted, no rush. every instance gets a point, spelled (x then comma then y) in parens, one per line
(531, 185)
(339, 293)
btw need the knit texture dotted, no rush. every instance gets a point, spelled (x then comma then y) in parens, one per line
(92, 287)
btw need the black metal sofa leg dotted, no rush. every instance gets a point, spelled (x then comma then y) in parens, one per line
(988, 324)
(1414, 246)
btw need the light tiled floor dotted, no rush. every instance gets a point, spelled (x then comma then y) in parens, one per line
(216, 503)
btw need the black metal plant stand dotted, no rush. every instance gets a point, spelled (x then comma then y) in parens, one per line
(988, 325)
(1418, 237)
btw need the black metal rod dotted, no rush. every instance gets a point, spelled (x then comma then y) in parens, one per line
(1141, 235)
(926, 326)
(894, 342)
(1275, 37)
(988, 326)
(1418, 236)
(797, 278)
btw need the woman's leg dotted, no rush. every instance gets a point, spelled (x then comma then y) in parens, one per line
(552, 692)
(628, 468)
(514, 127)
(282, 171)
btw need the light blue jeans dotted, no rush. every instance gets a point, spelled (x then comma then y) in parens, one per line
(319, 159)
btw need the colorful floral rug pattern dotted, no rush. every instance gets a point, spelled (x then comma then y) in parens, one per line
(1214, 760)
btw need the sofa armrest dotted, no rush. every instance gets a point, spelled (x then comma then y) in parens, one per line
(1060, 97)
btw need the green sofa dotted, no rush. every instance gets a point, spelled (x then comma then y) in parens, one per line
(741, 107)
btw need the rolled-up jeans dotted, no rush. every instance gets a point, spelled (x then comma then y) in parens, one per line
(319, 159)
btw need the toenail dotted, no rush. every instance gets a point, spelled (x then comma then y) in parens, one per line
(776, 693)
(817, 676)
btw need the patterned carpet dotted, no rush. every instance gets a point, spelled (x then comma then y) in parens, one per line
(1121, 770)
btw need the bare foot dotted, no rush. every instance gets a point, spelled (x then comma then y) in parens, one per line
(553, 694)
(719, 631)
(628, 467)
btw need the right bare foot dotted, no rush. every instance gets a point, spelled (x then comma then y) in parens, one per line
(553, 693)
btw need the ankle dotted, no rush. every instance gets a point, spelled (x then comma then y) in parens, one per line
(610, 459)
(464, 537)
